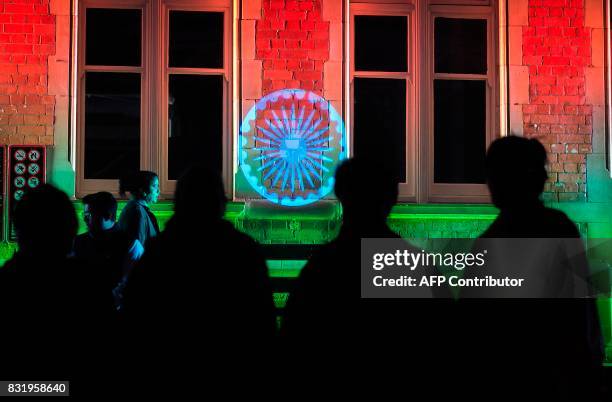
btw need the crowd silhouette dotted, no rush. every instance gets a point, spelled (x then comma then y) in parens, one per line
(126, 307)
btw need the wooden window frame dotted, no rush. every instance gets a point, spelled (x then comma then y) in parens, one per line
(155, 72)
(167, 186)
(86, 186)
(419, 186)
(407, 190)
(443, 192)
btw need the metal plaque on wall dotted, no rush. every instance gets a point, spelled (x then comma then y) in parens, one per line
(26, 171)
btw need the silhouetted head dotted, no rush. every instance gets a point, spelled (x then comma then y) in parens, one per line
(142, 185)
(45, 222)
(367, 191)
(516, 171)
(200, 195)
(99, 211)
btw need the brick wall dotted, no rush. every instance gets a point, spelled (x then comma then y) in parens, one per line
(557, 50)
(292, 40)
(289, 44)
(27, 39)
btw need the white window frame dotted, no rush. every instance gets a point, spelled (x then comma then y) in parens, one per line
(154, 88)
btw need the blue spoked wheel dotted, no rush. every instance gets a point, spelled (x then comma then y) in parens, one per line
(290, 144)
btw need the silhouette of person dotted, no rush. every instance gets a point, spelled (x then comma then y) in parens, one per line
(136, 219)
(105, 245)
(516, 173)
(201, 293)
(327, 324)
(544, 344)
(53, 306)
(367, 195)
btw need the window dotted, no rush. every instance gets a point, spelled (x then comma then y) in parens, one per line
(383, 90)
(112, 83)
(154, 79)
(462, 99)
(195, 83)
(423, 93)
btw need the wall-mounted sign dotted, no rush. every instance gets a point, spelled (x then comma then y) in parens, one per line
(290, 143)
(26, 171)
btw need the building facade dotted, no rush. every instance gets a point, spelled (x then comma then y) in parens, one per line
(115, 85)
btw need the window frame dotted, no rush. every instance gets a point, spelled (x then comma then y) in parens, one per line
(167, 186)
(419, 186)
(407, 190)
(83, 185)
(155, 73)
(456, 192)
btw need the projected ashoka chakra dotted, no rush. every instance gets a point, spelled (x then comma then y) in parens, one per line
(290, 144)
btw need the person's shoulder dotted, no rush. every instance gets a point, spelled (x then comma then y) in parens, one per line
(533, 222)
(328, 249)
(554, 213)
(228, 231)
(244, 245)
(131, 213)
(563, 224)
(132, 206)
(327, 254)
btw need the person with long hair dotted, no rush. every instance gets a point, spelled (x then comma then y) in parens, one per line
(136, 219)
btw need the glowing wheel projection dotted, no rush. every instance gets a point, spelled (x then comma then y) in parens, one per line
(290, 143)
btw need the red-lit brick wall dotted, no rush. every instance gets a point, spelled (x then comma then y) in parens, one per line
(27, 38)
(292, 40)
(557, 50)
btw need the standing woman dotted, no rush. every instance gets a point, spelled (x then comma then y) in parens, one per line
(136, 219)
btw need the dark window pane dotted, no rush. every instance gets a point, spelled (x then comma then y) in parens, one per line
(380, 122)
(461, 46)
(113, 37)
(459, 131)
(195, 125)
(112, 124)
(196, 39)
(381, 43)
